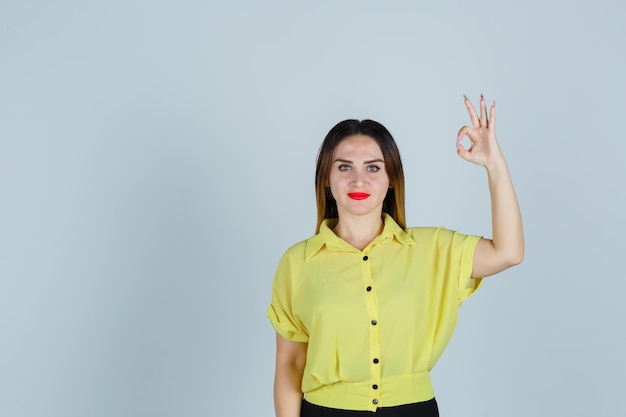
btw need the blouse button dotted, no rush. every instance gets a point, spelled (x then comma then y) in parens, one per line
(375, 386)
(375, 360)
(369, 288)
(374, 401)
(374, 322)
(365, 258)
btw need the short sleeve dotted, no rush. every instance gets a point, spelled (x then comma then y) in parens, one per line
(284, 295)
(467, 285)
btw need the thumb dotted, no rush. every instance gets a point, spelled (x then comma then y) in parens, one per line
(460, 149)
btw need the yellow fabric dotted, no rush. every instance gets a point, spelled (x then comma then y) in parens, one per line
(418, 279)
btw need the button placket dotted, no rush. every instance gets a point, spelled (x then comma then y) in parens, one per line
(373, 324)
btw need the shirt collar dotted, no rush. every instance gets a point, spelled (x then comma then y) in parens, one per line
(327, 238)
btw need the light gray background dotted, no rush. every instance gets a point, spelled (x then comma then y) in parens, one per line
(156, 159)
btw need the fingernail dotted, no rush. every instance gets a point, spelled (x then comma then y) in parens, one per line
(494, 103)
(465, 97)
(481, 97)
(458, 141)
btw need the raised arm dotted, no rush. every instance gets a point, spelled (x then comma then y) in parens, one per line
(290, 361)
(506, 247)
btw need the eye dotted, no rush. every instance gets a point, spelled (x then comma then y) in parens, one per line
(373, 168)
(344, 168)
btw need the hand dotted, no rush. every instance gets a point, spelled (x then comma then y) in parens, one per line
(484, 149)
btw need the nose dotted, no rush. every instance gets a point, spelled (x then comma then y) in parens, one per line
(358, 178)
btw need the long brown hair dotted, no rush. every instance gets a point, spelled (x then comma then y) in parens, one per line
(394, 201)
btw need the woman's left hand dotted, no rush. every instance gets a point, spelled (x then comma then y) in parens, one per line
(506, 247)
(484, 149)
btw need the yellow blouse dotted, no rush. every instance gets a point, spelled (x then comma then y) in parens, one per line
(375, 320)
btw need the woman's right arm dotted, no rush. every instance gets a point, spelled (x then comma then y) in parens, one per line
(290, 361)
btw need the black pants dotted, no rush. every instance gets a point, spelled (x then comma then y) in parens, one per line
(423, 409)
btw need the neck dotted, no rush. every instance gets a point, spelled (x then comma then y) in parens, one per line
(359, 231)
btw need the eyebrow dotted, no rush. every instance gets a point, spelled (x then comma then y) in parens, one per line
(364, 163)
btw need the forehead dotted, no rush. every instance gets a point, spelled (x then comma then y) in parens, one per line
(356, 146)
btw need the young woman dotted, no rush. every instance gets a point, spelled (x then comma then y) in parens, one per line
(363, 309)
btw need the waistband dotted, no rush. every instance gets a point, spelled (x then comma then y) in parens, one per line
(390, 392)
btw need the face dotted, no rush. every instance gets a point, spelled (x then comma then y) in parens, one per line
(358, 180)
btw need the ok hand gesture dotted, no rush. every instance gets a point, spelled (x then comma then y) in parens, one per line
(484, 149)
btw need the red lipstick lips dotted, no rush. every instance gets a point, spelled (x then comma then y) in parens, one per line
(358, 196)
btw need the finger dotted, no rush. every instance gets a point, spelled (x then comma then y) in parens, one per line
(492, 117)
(472, 113)
(462, 152)
(460, 149)
(464, 131)
(483, 112)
